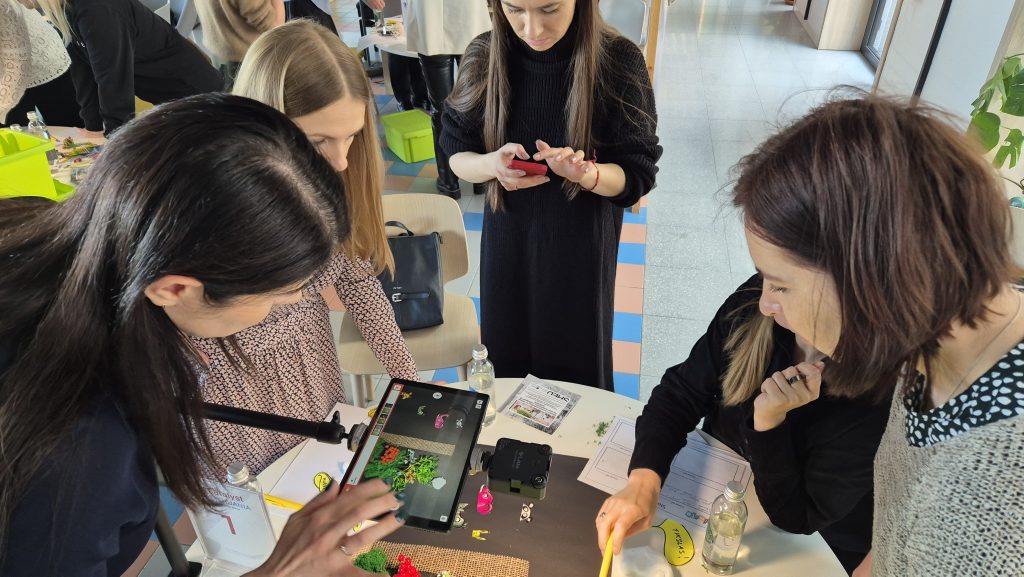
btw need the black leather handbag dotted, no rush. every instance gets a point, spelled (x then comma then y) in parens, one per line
(416, 290)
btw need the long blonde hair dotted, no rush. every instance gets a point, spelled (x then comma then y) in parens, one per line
(301, 67)
(749, 349)
(55, 10)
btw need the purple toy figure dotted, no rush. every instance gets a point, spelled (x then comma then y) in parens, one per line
(484, 501)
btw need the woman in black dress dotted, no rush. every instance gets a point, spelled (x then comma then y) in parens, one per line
(552, 83)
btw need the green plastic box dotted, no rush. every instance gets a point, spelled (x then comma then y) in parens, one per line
(24, 170)
(409, 135)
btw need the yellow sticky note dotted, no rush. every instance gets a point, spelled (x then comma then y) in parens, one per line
(678, 543)
(322, 481)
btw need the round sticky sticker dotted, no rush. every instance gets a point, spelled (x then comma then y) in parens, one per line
(322, 481)
(437, 396)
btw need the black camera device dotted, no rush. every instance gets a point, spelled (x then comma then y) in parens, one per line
(515, 467)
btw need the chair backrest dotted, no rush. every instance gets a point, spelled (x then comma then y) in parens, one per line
(188, 17)
(629, 17)
(427, 213)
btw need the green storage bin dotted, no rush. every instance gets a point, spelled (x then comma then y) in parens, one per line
(409, 135)
(24, 170)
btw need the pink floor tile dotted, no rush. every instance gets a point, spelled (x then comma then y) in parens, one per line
(429, 170)
(629, 300)
(626, 357)
(634, 233)
(395, 182)
(630, 275)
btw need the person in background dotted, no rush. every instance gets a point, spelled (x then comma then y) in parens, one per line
(318, 11)
(119, 50)
(552, 83)
(885, 237)
(231, 26)
(404, 72)
(196, 220)
(288, 364)
(759, 390)
(35, 65)
(439, 32)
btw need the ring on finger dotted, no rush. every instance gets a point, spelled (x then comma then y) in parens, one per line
(794, 379)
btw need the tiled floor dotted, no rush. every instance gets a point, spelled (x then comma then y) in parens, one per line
(729, 72)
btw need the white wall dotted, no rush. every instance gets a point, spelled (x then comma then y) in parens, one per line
(963, 60)
(908, 46)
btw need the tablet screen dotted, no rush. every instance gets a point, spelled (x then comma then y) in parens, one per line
(420, 438)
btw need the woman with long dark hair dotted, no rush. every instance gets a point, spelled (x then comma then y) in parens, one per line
(198, 219)
(552, 83)
(884, 237)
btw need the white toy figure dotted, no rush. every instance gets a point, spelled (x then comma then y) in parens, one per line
(526, 513)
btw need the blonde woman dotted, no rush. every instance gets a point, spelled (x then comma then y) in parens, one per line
(120, 49)
(759, 389)
(288, 365)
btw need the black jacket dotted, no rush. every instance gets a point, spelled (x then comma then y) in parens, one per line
(121, 49)
(811, 473)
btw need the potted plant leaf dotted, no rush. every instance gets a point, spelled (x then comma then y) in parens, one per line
(995, 127)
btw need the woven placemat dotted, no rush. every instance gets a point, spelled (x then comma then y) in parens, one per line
(459, 563)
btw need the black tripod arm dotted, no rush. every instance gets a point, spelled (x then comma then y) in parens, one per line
(323, 431)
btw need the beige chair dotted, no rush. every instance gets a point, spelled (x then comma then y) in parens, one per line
(447, 345)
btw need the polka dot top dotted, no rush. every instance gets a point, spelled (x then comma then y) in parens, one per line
(997, 395)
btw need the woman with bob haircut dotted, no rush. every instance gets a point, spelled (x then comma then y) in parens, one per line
(288, 363)
(884, 237)
(198, 219)
(552, 83)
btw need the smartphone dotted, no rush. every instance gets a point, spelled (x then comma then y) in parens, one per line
(530, 168)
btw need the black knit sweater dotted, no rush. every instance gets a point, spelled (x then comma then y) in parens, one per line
(548, 264)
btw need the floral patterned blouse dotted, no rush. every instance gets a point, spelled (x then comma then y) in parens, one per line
(294, 361)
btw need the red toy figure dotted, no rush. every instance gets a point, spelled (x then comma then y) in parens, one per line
(405, 568)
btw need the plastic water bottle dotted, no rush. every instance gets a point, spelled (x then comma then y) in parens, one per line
(481, 380)
(722, 540)
(36, 127)
(239, 476)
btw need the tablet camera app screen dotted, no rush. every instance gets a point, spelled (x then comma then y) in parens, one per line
(420, 440)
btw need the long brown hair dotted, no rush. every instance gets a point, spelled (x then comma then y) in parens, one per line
(216, 187)
(749, 349)
(483, 86)
(900, 210)
(300, 68)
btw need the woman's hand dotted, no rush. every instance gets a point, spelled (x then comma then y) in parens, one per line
(375, 4)
(511, 178)
(629, 511)
(785, 391)
(565, 162)
(313, 539)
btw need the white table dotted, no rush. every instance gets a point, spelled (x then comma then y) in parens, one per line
(766, 551)
(392, 44)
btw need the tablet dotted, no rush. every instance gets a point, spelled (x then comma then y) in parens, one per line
(421, 438)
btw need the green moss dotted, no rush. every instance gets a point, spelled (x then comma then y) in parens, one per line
(373, 561)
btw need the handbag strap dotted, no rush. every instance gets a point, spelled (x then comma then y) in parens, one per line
(397, 224)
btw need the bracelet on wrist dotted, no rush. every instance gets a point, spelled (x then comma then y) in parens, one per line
(597, 179)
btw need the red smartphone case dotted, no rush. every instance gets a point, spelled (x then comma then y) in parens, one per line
(530, 168)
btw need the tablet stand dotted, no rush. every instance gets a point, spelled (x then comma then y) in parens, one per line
(332, 432)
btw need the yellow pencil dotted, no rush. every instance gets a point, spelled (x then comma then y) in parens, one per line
(606, 565)
(281, 502)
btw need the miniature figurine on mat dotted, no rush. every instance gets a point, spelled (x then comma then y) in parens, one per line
(484, 501)
(460, 521)
(373, 561)
(526, 513)
(478, 534)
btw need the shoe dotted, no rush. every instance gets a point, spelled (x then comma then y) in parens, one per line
(423, 104)
(447, 190)
(406, 106)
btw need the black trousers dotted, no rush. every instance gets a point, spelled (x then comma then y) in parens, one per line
(439, 73)
(407, 80)
(306, 9)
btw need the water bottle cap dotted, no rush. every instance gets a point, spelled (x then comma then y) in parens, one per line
(31, 115)
(479, 352)
(734, 490)
(237, 473)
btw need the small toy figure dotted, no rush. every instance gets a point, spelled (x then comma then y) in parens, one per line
(406, 396)
(458, 424)
(373, 561)
(478, 534)
(484, 501)
(405, 568)
(526, 513)
(439, 421)
(445, 573)
(460, 521)
(420, 409)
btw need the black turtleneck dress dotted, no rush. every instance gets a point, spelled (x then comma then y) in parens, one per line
(547, 270)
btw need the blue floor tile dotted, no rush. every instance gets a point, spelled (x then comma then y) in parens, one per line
(627, 327)
(640, 218)
(388, 155)
(627, 385)
(473, 220)
(631, 253)
(402, 169)
(449, 375)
